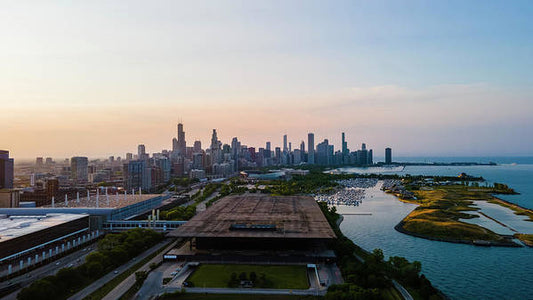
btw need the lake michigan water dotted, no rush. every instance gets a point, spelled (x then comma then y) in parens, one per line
(460, 271)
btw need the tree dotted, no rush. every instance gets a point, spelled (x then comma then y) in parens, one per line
(253, 276)
(242, 276)
(94, 269)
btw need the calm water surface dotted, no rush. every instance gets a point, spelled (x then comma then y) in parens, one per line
(460, 271)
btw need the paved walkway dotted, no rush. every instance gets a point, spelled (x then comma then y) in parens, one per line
(108, 277)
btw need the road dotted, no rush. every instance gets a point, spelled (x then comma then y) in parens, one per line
(74, 259)
(151, 286)
(109, 276)
(125, 285)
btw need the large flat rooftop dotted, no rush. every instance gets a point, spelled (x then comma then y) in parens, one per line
(15, 226)
(259, 216)
(109, 201)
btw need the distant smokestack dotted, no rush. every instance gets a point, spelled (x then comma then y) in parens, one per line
(77, 197)
(66, 200)
(53, 201)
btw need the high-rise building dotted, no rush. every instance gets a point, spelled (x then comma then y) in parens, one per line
(182, 145)
(6, 170)
(137, 175)
(79, 169)
(388, 156)
(129, 156)
(197, 147)
(322, 151)
(345, 150)
(302, 151)
(268, 145)
(285, 149)
(141, 152)
(311, 148)
(49, 161)
(215, 143)
(39, 161)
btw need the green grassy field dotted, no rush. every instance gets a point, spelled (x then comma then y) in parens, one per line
(279, 277)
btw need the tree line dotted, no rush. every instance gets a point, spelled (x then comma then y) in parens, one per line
(113, 251)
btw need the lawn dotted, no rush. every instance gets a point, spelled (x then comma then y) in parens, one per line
(278, 277)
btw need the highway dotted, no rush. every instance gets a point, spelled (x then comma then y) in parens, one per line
(74, 259)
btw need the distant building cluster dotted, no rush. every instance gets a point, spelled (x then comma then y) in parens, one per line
(146, 171)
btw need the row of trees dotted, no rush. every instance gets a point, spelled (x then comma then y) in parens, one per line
(178, 213)
(113, 251)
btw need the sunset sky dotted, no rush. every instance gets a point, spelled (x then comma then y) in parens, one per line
(427, 78)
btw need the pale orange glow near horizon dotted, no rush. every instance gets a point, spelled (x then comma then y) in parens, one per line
(374, 115)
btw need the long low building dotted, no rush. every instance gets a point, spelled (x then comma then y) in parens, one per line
(258, 221)
(27, 240)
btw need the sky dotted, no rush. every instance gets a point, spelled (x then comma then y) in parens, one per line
(426, 78)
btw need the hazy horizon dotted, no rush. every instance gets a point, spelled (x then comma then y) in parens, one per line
(427, 79)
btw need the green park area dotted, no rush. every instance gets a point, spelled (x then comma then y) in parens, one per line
(441, 209)
(262, 276)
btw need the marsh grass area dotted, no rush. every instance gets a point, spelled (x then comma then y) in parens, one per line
(274, 277)
(442, 207)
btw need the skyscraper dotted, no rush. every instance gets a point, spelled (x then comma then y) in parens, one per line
(197, 147)
(311, 148)
(141, 152)
(6, 170)
(388, 156)
(79, 168)
(322, 151)
(285, 149)
(302, 151)
(182, 145)
(345, 150)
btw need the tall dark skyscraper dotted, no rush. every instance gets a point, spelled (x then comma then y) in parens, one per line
(388, 155)
(311, 148)
(344, 146)
(285, 149)
(215, 144)
(182, 145)
(6, 170)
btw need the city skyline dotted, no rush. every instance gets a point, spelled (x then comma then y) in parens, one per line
(95, 78)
